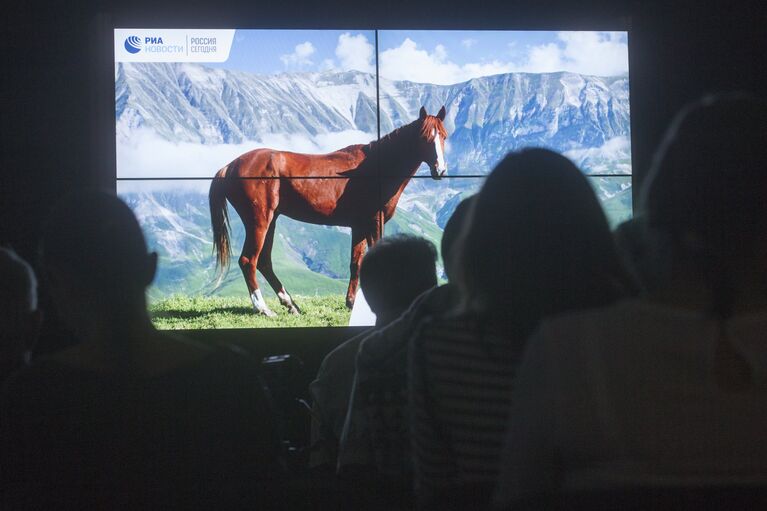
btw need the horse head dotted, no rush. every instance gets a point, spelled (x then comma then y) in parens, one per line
(432, 142)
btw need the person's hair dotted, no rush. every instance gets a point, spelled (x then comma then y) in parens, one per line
(644, 253)
(18, 291)
(396, 270)
(452, 232)
(94, 236)
(537, 243)
(707, 188)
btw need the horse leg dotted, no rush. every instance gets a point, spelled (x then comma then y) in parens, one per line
(359, 243)
(373, 235)
(378, 228)
(265, 267)
(251, 250)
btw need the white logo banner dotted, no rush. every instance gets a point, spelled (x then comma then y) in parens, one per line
(172, 45)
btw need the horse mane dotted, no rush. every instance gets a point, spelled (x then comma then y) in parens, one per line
(389, 137)
(427, 131)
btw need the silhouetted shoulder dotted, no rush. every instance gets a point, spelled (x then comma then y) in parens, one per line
(464, 328)
(207, 421)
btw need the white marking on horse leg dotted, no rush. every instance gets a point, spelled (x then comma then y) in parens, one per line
(259, 304)
(284, 297)
(441, 166)
(287, 301)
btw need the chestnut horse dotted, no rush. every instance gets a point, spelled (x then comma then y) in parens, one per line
(357, 186)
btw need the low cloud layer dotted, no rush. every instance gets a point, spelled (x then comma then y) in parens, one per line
(147, 155)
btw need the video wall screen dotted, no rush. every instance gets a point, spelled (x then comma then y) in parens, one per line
(307, 134)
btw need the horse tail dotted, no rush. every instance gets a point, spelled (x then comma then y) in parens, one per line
(219, 219)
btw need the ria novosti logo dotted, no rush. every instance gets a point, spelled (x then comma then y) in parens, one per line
(133, 44)
(170, 45)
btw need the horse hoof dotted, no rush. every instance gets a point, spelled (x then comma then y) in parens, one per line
(294, 310)
(267, 312)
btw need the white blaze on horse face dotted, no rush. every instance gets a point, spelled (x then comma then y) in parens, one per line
(441, 166)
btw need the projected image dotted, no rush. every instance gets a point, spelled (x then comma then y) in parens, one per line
(566, 91)
(302, 91)
(188, 292)
(280, 129)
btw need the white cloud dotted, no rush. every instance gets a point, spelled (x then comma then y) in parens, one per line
(545, 58)
(171, 186)
(614, 156)
(409, 62)
(327, 142)
(317, 144)
(147, 155)
(328, 65)
(355, 52)
(475, 70)
(300, 58)
(590, 53)
(599, 53)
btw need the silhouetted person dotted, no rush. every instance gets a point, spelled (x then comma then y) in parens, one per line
(393, 273)
(644, 253)
(376, 432)
(19, 314)
(130, 415)
(669, 390)
(536, 244)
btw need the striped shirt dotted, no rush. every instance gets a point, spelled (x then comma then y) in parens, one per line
(461, 376)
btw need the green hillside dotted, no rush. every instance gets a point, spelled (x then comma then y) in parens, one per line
(310, 260)
(185, 277)
(416, 224)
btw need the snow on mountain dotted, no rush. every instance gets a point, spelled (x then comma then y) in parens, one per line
(487, 116)
(193, 103)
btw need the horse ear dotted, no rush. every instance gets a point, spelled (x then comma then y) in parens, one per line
(441, 114)
(422, 114)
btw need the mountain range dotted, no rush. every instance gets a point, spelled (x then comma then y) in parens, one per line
(487, 116)
(585, 117)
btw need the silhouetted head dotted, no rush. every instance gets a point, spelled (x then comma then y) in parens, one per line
(452, 232)
(707, 189)
(395, 271)
(432, 141)
(536, 243)
(19, 315)
(95, 256)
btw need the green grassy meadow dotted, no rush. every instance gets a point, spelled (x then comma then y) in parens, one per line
(199, 312)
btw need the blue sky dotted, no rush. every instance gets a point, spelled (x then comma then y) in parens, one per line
(466, 46)
(262, 51)
(442, 57)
